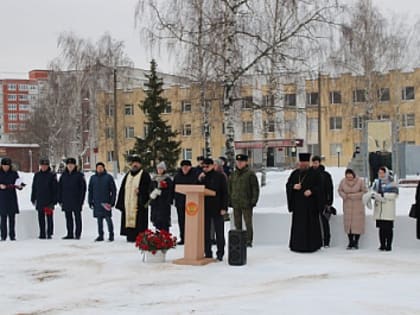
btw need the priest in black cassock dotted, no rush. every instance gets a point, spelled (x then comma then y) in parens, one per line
(302, 190)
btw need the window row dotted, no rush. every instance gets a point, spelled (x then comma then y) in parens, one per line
(186, 107)
(14, 117)
(336, 123)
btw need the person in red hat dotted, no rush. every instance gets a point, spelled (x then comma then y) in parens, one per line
(305, 204)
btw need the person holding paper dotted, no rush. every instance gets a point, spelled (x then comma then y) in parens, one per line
(101, 195)
(44, 197)
(9, 182)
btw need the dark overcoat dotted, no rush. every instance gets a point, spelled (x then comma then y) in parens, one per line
(161, 206)
(143, 198)
(44, 189)
(418, 210)
(183, 179)
(8, 196)
(305, 234)
(101, 190)
(71, 190)
(215, 181)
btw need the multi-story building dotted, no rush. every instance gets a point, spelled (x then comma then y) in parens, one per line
(302, 112)
(18, 98)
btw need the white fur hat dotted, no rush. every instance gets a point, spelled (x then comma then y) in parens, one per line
(161, 165)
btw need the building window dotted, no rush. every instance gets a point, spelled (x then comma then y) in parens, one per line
(335, 147)
(168, 108)
(247, 102)
(23, 97)
(408, 93)
(186, 130)
(11, 97)
(23, 116)
(22, 126)
(146, 129)
(270, 125)
(358, 122)
(129, 132)
(247, 127)
(335, 123)
(408, 120)
(290, 99)
(313, 148)
(268, 101)
(13, 126)
(129, 109)
(109, 133)
(32, 97)
(359, 96)
(186, 107)
(312, 98)
(383, 117)
(383, 95)
(335, 97)
(110, 156)
(23, 107)
(23, 87)
(32, 87)
(12, 117)
(187, 154)
(11, 87)
(12, 107)
(313, 124)
(110, 110)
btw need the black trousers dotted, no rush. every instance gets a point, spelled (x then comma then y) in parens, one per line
(326, 234)
(3, 226)
(219, 227)
(41, 223)
(181, 222)
(70, 223)
(386, 233)
(109, 223)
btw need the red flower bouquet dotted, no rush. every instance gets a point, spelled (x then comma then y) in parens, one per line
(154, 241)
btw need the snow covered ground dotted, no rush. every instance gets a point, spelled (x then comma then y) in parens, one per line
(83, 277)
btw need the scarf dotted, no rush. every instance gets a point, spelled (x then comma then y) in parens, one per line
(131, 199)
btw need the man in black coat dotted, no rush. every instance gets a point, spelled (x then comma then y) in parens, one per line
(9, 182)
(101, 197)
(44, 197)
(215, 207)
(185, 176)
(132, 200)
(326, 195)
(303, 202)
(71, 195)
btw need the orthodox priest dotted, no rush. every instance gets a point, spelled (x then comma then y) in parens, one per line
(132, 200)
(303, 202)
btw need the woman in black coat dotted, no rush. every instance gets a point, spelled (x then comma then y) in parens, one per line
(8, 198)
(71, 195)
(44, 197)
(161, 196)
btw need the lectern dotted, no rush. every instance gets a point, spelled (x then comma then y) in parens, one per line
(194, 224)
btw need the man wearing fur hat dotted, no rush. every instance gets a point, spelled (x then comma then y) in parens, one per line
(71, 196)
(132, 200)
(244, 191)
(161, 196)
(101, 197)
(305, 204)
(44, 197)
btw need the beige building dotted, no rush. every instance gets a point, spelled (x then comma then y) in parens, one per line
(286, 122)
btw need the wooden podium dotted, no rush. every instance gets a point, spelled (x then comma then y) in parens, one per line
(194, 224)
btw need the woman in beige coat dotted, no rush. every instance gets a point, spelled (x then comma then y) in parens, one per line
(352, 189)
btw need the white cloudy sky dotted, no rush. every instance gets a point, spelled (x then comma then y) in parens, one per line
(29, 29)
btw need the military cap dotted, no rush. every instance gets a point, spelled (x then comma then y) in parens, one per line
(241, 157)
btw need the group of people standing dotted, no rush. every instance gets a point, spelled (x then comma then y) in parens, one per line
(310, 196)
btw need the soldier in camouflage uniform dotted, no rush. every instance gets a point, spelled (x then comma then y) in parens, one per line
(243, 194)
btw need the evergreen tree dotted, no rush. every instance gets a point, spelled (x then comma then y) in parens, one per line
(158, 143)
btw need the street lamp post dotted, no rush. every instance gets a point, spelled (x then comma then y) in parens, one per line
(30, 161)
(338, 150)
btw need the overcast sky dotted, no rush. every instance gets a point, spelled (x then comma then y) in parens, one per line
(29, 29)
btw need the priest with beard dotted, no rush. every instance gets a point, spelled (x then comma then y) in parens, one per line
(132, 200)
(303, 202)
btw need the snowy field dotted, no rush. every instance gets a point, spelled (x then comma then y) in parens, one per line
(83, 277)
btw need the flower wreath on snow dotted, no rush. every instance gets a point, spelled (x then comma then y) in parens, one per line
(153, 241)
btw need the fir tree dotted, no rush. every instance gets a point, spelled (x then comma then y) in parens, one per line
(159, 142)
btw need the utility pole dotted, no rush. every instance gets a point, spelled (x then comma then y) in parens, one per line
(115, 167)
(319, 114)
